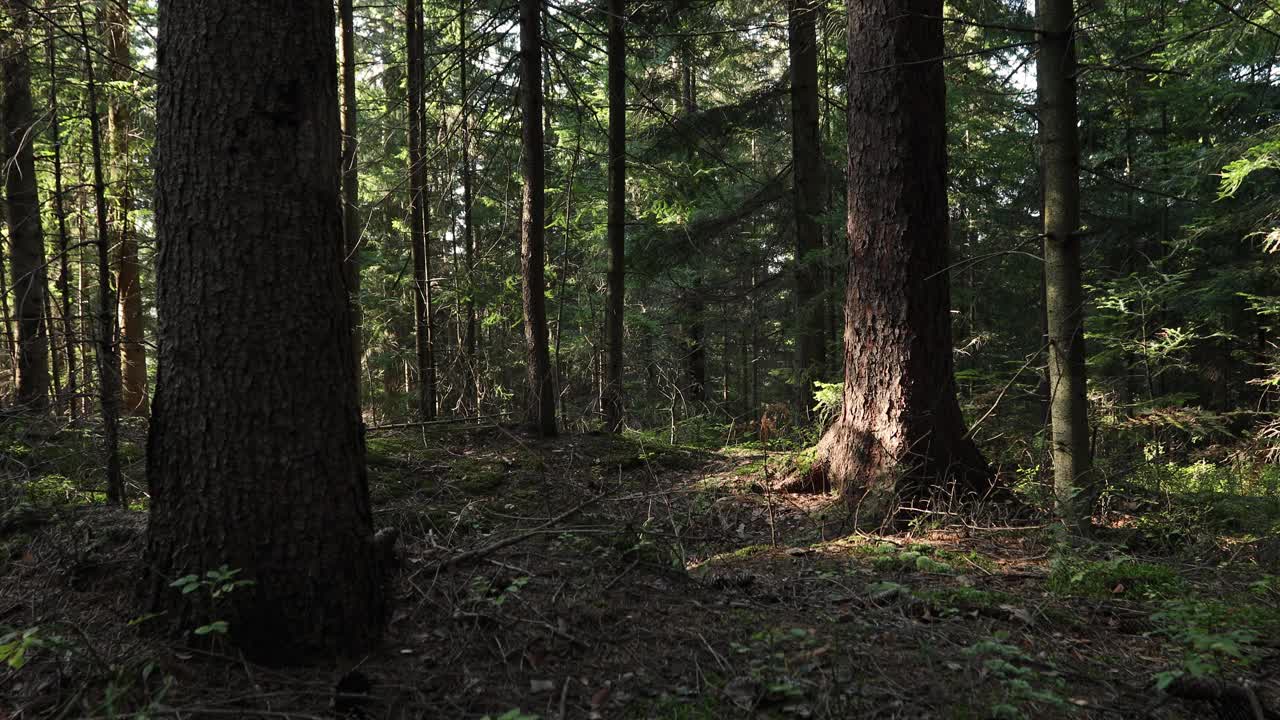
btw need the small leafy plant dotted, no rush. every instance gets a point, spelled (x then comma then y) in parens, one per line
(218, 583)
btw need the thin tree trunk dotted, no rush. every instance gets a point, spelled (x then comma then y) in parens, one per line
(10, 342)
(26, 239)
(1064, 293)
(418, 235)
(470, 380)
(256, 458)
(808, 197)
(615, 300)
(541, 403)
(900, 433)
(108, 350)
(350, 176)
(133, 351)
(693, 306)
(60, 212)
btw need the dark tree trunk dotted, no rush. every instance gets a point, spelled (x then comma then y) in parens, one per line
(60, 212)
(809, 194)
(615, 302)
(133, 351)
(418, 235)
(26, 239)
(692, 305)
(1064, 291)
(900, 433)
(350, 176)
(470, 381)
(108, 350)
(541, 404)
(256, 455)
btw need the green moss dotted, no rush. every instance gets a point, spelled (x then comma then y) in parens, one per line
(477, 477)
(1109, 578)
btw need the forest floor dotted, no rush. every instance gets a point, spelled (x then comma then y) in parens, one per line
(646, 580)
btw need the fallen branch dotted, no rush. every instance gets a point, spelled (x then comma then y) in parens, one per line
(481, 552)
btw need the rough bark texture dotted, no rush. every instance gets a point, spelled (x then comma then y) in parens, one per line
(541, 405)
(256, 454)
(424, 340)
(900, 433)
(615, 302)
(809, 195)
(1064, 293)
(692, 304)
(350, 176)
(133, 352)
(26, 239)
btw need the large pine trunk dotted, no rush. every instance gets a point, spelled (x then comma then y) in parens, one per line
(900, 434)
(809, 195)
(133, 351)
(541, 402)
(612, 397)
(256, 454)
(26, 239)
(1064, 292)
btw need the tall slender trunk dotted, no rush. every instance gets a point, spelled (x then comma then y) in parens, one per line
(470, 380)
(693, 306)
(541, 403)
(900, 434)
(60, 212)
(807, 198)
(350, 176)
(108, 350)
(133, 351)
(418, 219)
(10, 342)
(26, 239)
(615, 300)
(1064, 293)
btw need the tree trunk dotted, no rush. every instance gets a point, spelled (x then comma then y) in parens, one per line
(418, 236)
(133, 352)
(1064, 293)
(615, 300)
(350, 177)
(256, 455)
(900, 433)
(470, 381)
(26, 239)
(108, 351)
(809, 194)
(541, 404)
(60, 212)
(692, 305)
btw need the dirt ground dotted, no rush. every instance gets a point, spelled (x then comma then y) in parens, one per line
(642, 580)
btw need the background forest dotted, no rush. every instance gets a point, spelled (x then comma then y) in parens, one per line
(721, 366)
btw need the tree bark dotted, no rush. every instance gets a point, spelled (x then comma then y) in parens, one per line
(350, 177)
(470, 378)
(60, 212)
(26, 238)
(256, 454)
(418, 220)
(900, 434)
(692, 304)
(108, 350)
(133, 351)
(541, 403)
(1064, 292)
(615, 294)
(809, 194)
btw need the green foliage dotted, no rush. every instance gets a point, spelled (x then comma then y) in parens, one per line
(16, 646)
(1108, 578)
(1022, 677)
(1214, 636)
(217, 584)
